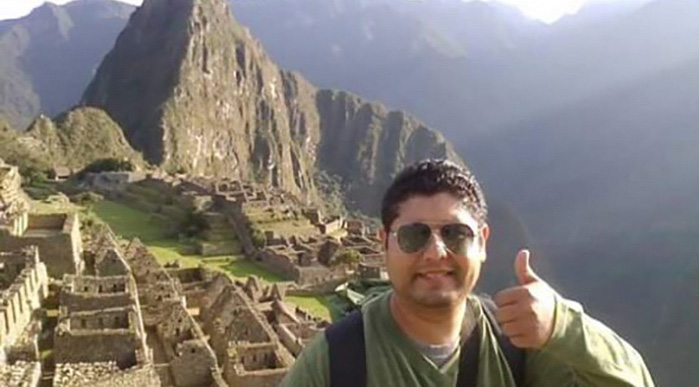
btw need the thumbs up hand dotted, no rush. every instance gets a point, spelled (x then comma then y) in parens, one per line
(526, 312)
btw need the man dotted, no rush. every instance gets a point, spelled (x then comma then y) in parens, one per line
(421, 332)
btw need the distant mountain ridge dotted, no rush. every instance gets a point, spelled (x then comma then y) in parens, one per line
(48, 57)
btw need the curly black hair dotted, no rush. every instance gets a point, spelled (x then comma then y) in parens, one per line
(430, 177)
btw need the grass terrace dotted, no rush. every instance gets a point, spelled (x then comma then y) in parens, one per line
(152, 230)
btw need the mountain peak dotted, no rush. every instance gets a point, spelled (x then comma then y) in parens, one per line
(50, 16)
(196, 93)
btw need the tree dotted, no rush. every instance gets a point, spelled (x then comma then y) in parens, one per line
(349, 257)
(258, 237)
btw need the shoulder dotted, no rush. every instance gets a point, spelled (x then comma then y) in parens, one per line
(311, 367)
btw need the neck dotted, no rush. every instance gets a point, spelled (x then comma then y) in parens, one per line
(428, 325)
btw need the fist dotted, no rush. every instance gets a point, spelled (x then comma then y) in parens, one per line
(526, 312)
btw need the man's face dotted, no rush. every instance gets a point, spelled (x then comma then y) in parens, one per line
(434, 276)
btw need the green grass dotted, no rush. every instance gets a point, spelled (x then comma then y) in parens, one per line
(130, 223)
(152, 231)
(326, 307)
(242, 268)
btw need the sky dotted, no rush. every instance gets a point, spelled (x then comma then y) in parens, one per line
(545, 10)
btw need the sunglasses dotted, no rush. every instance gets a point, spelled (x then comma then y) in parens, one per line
(414, 237)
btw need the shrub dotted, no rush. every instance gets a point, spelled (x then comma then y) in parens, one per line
(349, 257)
(258, 237)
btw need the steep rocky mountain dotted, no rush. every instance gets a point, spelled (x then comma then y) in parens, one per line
(425, 57)
(80, 136)
(74, 139)
(498, 69)
(48, 57)
(23, 151)
(196, 93)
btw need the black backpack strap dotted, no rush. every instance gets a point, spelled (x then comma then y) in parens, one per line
(468, 360)
(347, 351)
(516, 357)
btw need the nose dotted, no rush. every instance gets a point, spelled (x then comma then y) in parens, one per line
(435, 249)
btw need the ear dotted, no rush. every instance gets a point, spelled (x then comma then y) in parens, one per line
(383, 236)
(483, 236)
(485, 233)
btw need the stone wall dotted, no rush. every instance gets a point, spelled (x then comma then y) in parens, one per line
(194, 364)
(26, 347)
(191, 361)
(331, 226)
(280, 261)
(295, 336)
(20, 374)
(111, 263)
(23, 296)
(255, 364)
(99, 336)
(104, 374)
(60, 247)
(13, 208)
(82, 293)
(193, 283)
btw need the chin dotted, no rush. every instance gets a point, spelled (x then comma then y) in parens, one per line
(437, 299)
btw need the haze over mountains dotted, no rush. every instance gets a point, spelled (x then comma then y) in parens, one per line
(586, 130)
(49, 56)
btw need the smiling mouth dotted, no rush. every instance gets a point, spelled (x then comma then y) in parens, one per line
(435, 275)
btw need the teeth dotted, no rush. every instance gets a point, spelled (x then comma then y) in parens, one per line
(432, 275)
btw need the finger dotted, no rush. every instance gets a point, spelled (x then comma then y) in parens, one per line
(510, 313)
(525, 274)
(514, 329)
(510, 296)
(522, 341)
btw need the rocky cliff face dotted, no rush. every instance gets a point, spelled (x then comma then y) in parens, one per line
(366, 145)
(74, 140)
(196, 93)
(79, 137)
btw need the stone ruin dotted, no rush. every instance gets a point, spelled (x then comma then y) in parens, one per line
(255, 335)
(181, 353)
(23, 287)
(124, 320)
(100, 337)
(56, 235)
(303, 256)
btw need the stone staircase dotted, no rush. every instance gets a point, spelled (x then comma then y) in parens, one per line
(220, 238)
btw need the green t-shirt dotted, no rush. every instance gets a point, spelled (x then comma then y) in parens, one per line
(581, 352)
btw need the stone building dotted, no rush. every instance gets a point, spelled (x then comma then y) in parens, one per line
(88, 293)
(244, 341)
(103, 335)
(57, 235)
(23, 286)
(181, 354)
(100, 322)
(100, 337)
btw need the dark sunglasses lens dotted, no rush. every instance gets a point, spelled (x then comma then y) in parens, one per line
(457, 237)
(413, 237)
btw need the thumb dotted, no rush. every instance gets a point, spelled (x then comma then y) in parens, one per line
(525, 273)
